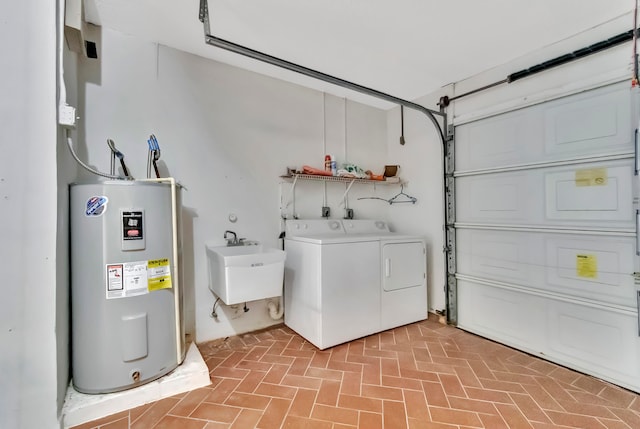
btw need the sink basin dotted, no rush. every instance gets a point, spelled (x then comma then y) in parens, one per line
(238, 274)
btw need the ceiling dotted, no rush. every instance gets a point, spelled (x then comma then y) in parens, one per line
(406, 48)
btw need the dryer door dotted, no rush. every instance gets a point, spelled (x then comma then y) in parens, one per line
(404, 283)
(403, 265)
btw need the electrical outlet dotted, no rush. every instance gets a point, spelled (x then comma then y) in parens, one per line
(348, 213)
(326, 211)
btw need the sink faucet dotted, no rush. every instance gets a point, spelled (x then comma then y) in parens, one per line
(231, 241)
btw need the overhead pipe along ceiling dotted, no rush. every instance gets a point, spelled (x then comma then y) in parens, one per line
(278, 62)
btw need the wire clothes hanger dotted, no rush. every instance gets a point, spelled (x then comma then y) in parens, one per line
(400, 197)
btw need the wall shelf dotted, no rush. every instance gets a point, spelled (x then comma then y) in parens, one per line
(319, 178)
(294, 178)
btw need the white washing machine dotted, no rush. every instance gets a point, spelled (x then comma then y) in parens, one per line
(346, 280)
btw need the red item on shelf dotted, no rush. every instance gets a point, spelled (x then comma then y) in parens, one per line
(306, 169)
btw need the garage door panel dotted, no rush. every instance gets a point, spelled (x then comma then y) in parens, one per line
(493, 255)
(501, 314)
(594, 122)
(591, 339)
(595, 195)
(594, 268)
(504, 140)
(594, 338)
(570, 198)
(600, 192)
(497, 198)
(589, 124)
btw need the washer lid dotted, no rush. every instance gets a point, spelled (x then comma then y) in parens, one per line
(334, 239)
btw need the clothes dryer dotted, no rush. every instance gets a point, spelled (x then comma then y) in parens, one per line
(403, 276)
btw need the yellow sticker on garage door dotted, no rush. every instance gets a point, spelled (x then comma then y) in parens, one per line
(587, 266)
(158, 274)
(591, 177)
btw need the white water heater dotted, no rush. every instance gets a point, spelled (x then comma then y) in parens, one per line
(126, 303)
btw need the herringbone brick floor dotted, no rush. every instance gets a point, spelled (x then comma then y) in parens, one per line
(423, 375)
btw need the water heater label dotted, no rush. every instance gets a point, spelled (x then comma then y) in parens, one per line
(96, 206)
(114, 279)
(132, 225)
(127, 279)
(159, 274)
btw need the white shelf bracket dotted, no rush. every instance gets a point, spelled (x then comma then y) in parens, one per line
(344, 196)
(291, 196)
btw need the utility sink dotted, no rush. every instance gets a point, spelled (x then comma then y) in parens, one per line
(238, 274)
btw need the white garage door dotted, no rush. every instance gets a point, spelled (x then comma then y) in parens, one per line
(546, 232)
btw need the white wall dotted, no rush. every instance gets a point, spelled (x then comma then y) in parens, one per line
(227, 135)
(67, 172)
(28, 200)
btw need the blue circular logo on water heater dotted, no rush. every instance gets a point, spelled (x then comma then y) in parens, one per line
(96, 206)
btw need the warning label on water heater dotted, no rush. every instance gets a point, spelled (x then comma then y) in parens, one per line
(126, 279)
(159, 274)
(129, 279)
(114, 278)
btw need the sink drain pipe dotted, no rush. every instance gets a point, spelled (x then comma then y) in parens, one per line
(276, 311)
